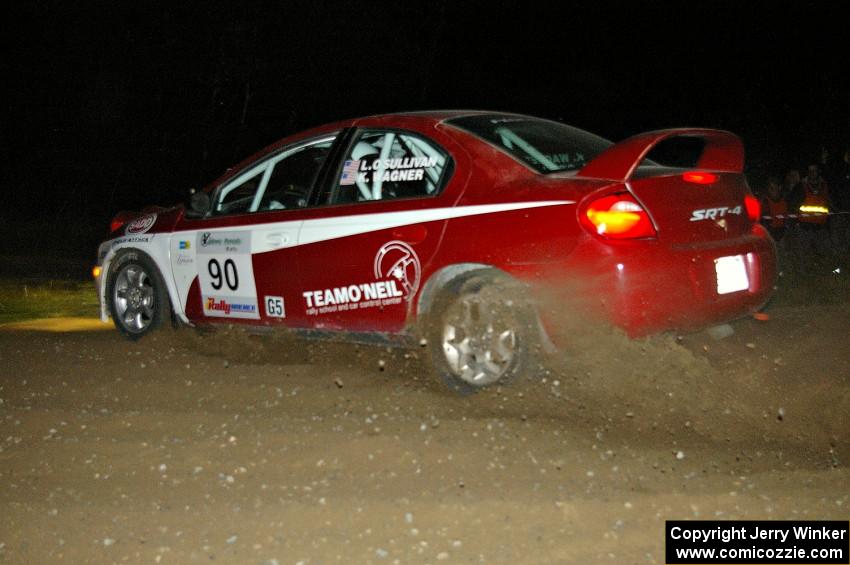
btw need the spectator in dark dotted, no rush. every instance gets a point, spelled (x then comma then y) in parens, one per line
(841, 183)
(792, 190)
(814, 237)
(825, 164)
(840, 192)
(774, 209)
(814, 208)
(830, 167)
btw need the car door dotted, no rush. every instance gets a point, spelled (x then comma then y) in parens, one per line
(363, 259)
(239, 263)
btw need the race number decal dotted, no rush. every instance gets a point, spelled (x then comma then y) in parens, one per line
(227, 274)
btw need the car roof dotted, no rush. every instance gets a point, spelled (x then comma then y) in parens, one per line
(436, 115)
(431, 117)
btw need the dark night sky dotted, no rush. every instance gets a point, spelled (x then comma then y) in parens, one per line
(115, 105)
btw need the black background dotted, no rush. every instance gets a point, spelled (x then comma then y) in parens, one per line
(110, 106)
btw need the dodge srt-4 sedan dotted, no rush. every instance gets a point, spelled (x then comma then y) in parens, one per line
(451, 229)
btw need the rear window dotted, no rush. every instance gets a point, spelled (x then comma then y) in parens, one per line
(545, 146)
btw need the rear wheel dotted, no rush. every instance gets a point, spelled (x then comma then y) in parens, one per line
(138, 301)
(480, 333)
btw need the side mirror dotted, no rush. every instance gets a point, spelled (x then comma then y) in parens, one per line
(200, 204)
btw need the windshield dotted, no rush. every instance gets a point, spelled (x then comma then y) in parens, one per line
(546, 147)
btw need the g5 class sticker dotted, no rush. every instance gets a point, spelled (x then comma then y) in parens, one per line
(226, 273)
(275, 307)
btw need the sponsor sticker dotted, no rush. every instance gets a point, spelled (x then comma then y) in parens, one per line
(185, 245)
(226, 274)
(397, 273)
(141, 225)
(223, 307)
(224, 242)
(134, 239)
(396, 260)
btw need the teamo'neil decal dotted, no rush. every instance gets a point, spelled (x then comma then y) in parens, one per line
(397, 272)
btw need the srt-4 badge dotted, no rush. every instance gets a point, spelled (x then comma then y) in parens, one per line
(714, 213)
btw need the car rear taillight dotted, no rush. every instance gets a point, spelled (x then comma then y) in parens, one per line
(698, 177)
(753, 206)
(618, 216)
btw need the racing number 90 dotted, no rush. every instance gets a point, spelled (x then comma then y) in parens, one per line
(229, 275)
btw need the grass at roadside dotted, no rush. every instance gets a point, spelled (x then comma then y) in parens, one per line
(812, 279)
(24, 300)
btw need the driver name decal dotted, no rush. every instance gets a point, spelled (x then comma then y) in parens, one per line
(386, 170)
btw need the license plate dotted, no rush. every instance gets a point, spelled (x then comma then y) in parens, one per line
(731, 274)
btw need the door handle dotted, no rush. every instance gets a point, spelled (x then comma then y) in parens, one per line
(411, 234)
(278, 239)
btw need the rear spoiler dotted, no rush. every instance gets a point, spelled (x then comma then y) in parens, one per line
(723, 152)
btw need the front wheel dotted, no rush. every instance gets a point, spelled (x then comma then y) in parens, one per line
(138, 301)
(480, 333)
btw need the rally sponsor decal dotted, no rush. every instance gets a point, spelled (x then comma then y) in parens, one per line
(133, 239)
(141, 224)
(227, 242)
(229, 308)
(397, 273)
(226, 274)
(396, 260)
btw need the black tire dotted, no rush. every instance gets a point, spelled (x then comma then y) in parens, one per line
(136, 295)
(481, 332)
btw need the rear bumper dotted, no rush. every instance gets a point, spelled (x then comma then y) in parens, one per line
(647, 287)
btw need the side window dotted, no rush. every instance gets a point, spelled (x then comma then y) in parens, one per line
(236, 198)
(282, 182)
(383, 165)
(292, 177)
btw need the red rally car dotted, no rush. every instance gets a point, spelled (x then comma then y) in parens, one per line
(451, 227)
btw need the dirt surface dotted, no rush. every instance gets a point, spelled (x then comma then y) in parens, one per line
(238, 449)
